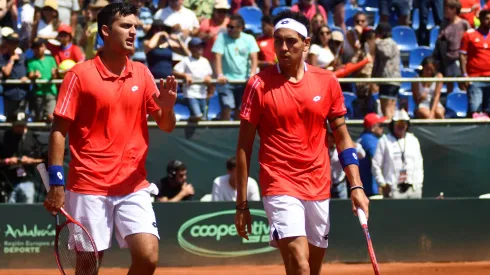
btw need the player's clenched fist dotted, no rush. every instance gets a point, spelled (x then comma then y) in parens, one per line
(168, 94)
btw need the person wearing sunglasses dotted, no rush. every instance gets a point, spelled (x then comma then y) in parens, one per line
(236, 58)
(353, 37)
(210, 28)
(320, 54)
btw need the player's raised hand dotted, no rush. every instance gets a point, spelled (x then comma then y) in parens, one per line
(168, 94)
(359, 200)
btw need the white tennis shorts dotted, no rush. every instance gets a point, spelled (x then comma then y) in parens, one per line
(292, 217)
(129, 215)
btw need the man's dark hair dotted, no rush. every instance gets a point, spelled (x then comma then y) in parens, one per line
(175, 166)
(239, 18)
(383, 30)
(266, 19)
(230, 163)
(108, 14)
(483, 14)
(298, 16)
(454, 4)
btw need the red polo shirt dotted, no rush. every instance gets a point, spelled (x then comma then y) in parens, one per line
(61, 54)
(477, 48)
(290, 119)
(108, 135)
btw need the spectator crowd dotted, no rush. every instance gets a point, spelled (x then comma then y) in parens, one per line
(229, 41)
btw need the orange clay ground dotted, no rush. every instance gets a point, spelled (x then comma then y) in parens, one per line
(474, 268)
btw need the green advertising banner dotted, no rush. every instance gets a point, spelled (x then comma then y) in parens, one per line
(198, 234)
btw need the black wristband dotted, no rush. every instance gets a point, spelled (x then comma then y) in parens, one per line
(242, 206)
(356, 187)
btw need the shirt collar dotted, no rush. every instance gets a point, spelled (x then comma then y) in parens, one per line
(104, 71)
(279, 68)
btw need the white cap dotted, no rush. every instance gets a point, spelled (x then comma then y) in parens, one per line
(401, 115)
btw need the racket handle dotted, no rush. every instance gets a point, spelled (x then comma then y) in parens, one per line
(41, 168)
(362, 216)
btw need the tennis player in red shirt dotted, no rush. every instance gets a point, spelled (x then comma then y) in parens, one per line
(103, 106)
(289, 105)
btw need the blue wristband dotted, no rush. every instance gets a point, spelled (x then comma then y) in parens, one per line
(348, 157)
(56, 177)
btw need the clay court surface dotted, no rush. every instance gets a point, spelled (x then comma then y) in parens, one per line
(474, 268)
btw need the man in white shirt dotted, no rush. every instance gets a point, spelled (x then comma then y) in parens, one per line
(224, 187)
(398, 164)
(180, 18)
(67, 11)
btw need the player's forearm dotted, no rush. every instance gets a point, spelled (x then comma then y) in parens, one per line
(167, 120)
(242, 164)
(56, 149)
(352, 173)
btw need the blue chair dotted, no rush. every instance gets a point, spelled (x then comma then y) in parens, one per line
(279, 9)
(430, 21)
(369, 3)
(416, 19)
(330, 22)
(214, 108)
(251, 16)
(2, 111)
(181, 112)
(417, 56)
(407, 102)
(456, 105)
(349, 16)
(348, 99)
(405, 38)
(407, 73)
(434, 33)
(374, 13)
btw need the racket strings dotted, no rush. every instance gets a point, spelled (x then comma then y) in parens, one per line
(76, 252)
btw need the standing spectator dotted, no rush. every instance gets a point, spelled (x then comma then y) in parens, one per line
(426, 94)
(475, 62)
(42, 67)
(91, 40)
(181, 19)
(470, 10)
(46, 25)
(337, 7)
(309, 8)
(337, 48)
(316, 22)
(210, 28)
(320, 54)
(8, 15)
(159, 47)
(398, 164)
(13, 67)
(448, 43)
(66, 49)
(402, 9)
(26, 19)
(424, 5)
(20, 151)
(369, 141)
(353, 37)
(224, 187)
(174, 187)
(68, 11)
(267, 55)
(195, 68)
(236, 59)
(387, 65)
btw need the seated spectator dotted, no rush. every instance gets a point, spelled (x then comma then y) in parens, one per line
(320, 54)
(203, 9)
(387, 65)
(68, 11)
(210, 28)
(27, 20)
(267, 54)
(90, 39)
(195, 68)
(13, 67)
(236, 59)
(316, 22)
(224, 187)
(174, 187)
(353, 37)
(20, 152)
(66, 49)
(309, 8)
(426, 94)
(8, 15)
(42, 67)
(159, 46)
(145, 19)
(475, 62)
(373, 131)
(181, 19)
(47, 26)
(446, 51)
(398, 164)
(337, 48)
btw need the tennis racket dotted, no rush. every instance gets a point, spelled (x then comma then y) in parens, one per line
(363, 221)
(74, 248)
